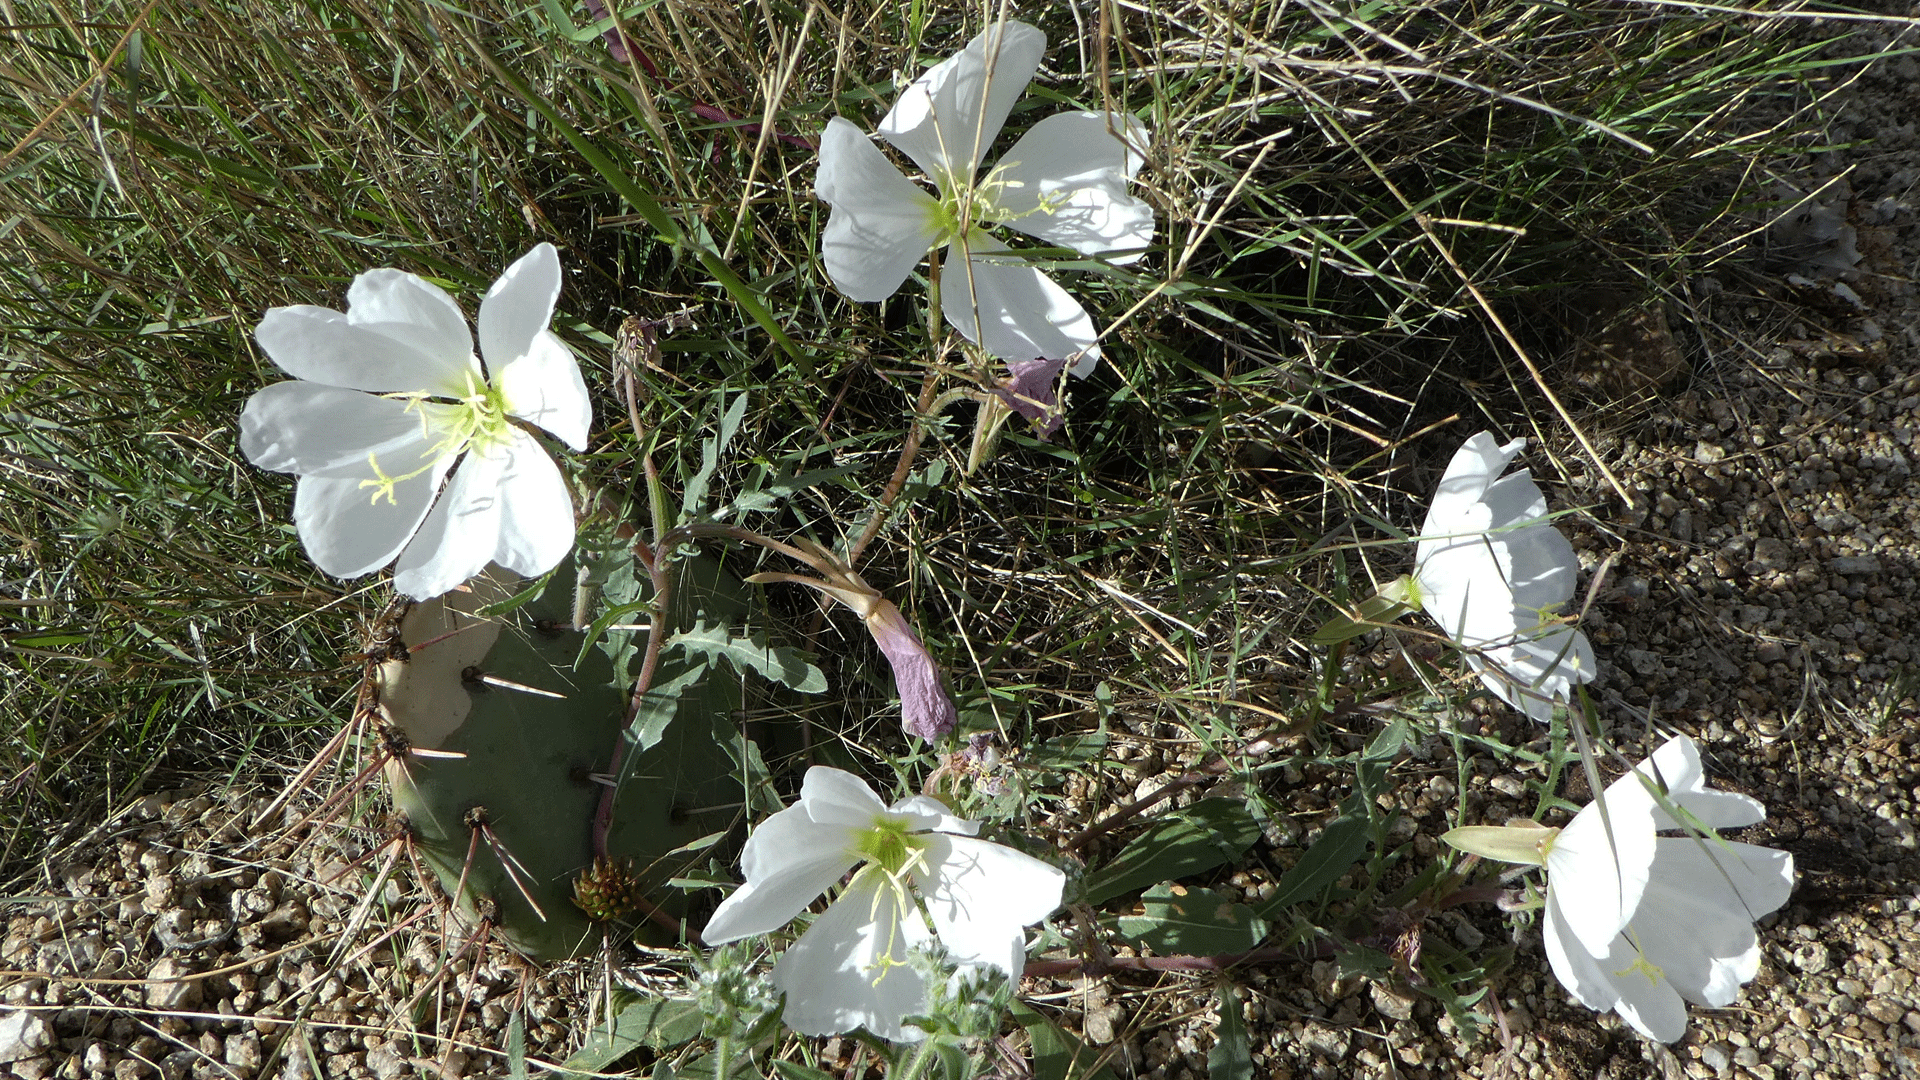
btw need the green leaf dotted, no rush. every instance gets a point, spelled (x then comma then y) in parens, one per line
(711, 451)
(521, 599)
(752, 769)
(1344, 841)
(517, 1047)
(786, 666)
(1231, 1057)
(1194, 922)
(768, 497)
(1341, 844)
(655, 1023)
(595, 29)
(618, 645)
(1386, 606)
(660, 704)
(1056, 1054)
(701, 844)
(793, 1070)
(954, 1062)
(48, 641)
(1065, 751)
(1210, 833)
(1374, 761)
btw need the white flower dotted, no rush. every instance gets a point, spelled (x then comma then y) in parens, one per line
(1689, 934)
(850, 968)
(1491, 571)
(1064, 182)
(387, 397)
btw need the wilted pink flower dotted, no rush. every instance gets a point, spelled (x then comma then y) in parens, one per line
(925, 709)
(1032, 391)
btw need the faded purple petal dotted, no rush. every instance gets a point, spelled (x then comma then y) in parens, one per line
(1032, 393)
(979, 745)
(925, 709)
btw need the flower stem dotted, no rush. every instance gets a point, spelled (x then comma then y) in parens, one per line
(901, 470)
(654, 558)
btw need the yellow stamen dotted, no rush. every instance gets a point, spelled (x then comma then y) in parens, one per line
(478, 420)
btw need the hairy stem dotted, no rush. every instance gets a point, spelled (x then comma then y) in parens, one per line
(917, 1065)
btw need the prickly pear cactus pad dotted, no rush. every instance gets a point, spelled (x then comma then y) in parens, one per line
(508, 827)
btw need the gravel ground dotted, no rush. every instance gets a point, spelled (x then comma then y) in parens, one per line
(1763, 599)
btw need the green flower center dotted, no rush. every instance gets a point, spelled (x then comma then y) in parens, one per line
(476, 419)
(978, 204)
(889, 845)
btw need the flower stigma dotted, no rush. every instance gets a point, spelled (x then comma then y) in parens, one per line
(892, 852)
(1640, 962)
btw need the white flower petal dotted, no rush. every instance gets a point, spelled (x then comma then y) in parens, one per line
(1492, 571)
(1456, 509)
(882, 224)
(788, 862)
(1080, 169)
(1464, 589)
(836, 797)
(1677, 764)
(1577, 968)
(324, 346)
(1541, 568)
(305, 428)
(460, 534)
(544, 387)
(347, 531)
(518, 307)
(536, 513)
(1539, 668)
(948, 117)
(1610, 980)
(981, 895)
(1648, 1003)
(1021, 314)
(850, 968)
(1695, 921)
(418, 313)
(334, 439)
(928, 814)
(1598, 876)
(1690, 935)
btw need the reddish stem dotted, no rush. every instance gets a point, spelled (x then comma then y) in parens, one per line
(654, 560)
(898, 481)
